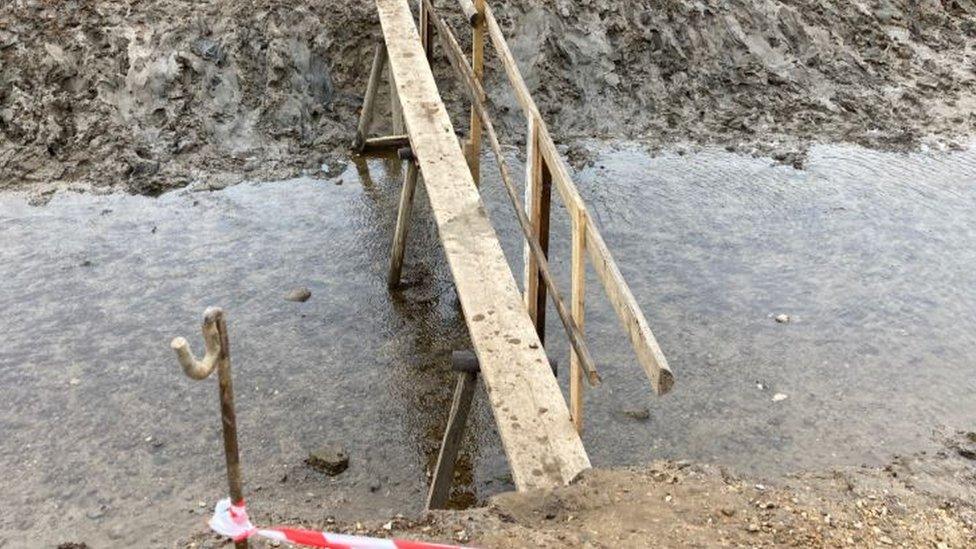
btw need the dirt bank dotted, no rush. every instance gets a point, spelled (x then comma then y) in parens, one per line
(924, 500)
(149, 96)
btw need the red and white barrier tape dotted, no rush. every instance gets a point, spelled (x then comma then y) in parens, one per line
(232, 521)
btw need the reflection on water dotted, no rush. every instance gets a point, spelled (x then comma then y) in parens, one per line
(869, 253)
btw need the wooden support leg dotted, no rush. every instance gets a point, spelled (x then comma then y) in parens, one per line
(473, 148)
(538, 190)
(578, 294)
(402, 225)
(369, 102)
(440, 487)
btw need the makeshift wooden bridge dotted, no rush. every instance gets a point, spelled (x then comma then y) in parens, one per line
(539, 432)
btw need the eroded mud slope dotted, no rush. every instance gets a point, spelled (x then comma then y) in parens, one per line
(152, 95)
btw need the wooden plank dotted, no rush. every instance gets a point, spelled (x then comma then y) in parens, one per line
(402, 226)
(649, 353)
(443, 478)
(369, 102)
(542, 447)
(577, 300)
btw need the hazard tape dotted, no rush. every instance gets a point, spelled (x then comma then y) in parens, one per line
(232, 521)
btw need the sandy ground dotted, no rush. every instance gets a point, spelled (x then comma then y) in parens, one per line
(152, 95)
(924, 500)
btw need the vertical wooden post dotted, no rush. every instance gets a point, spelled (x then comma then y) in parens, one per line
(473, 152)
(578, 294)
(402, 225)
(538, 192)
(369, 102)
(425, 31)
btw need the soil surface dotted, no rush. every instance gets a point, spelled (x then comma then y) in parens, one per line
(923, 500)
(150, 96)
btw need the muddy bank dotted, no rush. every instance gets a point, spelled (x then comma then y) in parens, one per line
(915, 501)
(149, 96)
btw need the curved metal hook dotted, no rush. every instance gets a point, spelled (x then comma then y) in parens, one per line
(192, 367)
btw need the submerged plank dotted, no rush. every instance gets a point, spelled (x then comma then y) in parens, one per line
(541, 444)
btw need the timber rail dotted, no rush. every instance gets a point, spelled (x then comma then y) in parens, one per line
(539, 432)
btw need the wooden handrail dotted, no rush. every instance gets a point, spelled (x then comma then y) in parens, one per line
(466, 77)
(648, 351)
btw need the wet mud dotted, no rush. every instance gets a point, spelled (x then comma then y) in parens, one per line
(150, 96)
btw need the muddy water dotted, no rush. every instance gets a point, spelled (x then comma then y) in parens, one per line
(105, 441)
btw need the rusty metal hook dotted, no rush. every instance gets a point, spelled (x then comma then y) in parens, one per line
(192, 367)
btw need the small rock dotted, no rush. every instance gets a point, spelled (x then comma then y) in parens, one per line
(967, 453)
(331, 459)
(727, 511)
(782, 318)
(74, 381)
(388, 525)
(752, 527)
(779, 397)
(299, 295)
(641, 413)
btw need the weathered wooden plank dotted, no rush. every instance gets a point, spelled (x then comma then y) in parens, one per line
(649, 353)
(533, 421)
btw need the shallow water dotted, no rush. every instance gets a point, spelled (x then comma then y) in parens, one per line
(870, 253)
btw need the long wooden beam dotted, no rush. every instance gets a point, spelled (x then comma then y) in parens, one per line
(648, 351)
(542, 447)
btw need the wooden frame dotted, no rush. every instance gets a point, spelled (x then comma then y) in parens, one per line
(544, 167)
(543, 448)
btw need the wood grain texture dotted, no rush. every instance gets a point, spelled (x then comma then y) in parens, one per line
(542, 447)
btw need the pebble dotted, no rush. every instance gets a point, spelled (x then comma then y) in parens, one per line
(299, 295)
(74, 381)
(779, 397)
(782, 318)
(641, 413)
(331, 459)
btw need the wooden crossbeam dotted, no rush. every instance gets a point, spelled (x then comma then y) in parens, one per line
(539, 439)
